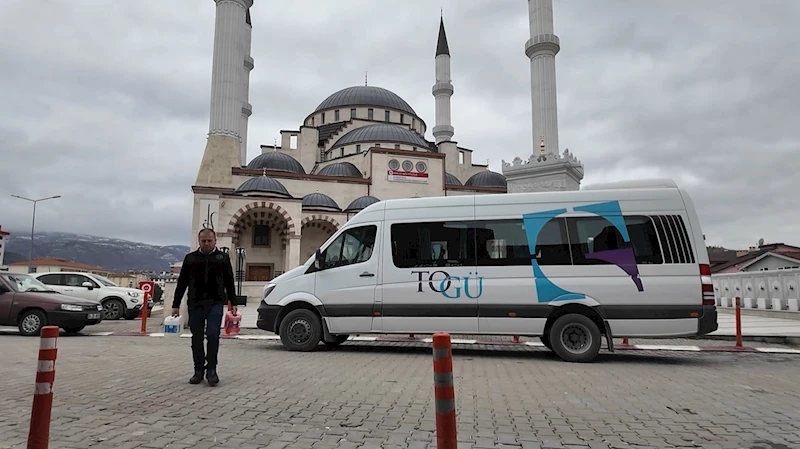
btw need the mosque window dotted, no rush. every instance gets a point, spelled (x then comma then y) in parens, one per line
(358, 148)
(352, 113)
(413, 123)
(402, 118)
(323, 118)
(261, 235)
(341, 152)
(397, 146)
(312, 121)
(336, 115)
(386, 115)
(378, 145)
(370, 114)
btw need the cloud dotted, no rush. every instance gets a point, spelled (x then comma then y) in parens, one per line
(108, 105)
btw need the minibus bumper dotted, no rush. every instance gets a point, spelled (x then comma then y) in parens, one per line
(708, 321)
(267, 316)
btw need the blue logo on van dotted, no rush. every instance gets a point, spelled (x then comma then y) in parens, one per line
(623, 258)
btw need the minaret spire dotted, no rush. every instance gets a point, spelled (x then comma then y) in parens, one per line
(443, 89)
(542, 49)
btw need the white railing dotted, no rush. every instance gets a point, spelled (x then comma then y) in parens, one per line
(768, 290)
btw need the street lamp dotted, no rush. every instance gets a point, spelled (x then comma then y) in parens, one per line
(33, 223)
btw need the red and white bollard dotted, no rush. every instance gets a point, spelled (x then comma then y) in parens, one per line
(444, 392)
(39, 433)
(738, 304)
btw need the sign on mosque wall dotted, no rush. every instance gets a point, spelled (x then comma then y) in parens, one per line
(407, 176)
(209, 214)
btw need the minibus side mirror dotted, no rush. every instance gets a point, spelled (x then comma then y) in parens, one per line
(318, 259)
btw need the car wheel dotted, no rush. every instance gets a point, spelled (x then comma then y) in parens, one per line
(575, 338)
(301, 330)
(73, 330)
(31, 322)
(338, 341)
(113, 309)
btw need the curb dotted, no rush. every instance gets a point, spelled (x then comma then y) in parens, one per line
(773, 339)
(471, 342)
(468, 342)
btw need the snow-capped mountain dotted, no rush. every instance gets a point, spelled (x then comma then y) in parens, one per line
(109, 253)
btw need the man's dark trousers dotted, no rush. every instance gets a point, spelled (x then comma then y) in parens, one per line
(205, 319)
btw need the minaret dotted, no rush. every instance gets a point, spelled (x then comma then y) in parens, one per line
(546, 169)
(443, 89)
(542, 49)
(224, 146)
(247, 109)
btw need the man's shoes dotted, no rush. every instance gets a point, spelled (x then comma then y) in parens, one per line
(197, 378)
(212, 377)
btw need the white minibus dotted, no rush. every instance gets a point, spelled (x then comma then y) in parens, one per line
(608, 261)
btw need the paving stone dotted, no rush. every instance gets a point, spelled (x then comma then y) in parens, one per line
(131, 391)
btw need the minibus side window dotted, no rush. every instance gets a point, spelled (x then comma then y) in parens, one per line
(350, 247)
(505, 243)
(593, 234)
(433, 244)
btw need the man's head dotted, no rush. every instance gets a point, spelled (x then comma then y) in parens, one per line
(207, 239)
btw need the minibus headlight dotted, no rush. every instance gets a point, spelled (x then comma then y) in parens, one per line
(267, 290)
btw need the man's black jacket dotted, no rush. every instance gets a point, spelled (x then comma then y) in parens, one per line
(209, 279)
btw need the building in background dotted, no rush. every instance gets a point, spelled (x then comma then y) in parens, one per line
(3, 243)
(360, 145)
(50, 264)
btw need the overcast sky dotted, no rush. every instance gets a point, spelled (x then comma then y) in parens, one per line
(107, 103)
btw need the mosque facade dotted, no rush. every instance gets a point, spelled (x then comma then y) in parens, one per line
(360, 145)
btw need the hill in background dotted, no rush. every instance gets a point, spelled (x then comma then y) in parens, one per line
(112, 254)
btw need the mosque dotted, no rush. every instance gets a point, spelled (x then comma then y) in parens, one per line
(360, 145)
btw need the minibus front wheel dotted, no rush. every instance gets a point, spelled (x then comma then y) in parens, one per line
(575, 338)
(301, 330)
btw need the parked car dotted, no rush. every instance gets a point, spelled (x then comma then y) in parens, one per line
(30, 305)
(118, 302)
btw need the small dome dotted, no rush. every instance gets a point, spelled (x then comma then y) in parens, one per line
(360, 203)
(263, 185)
(487, 179)
(319, 201)
(365, 96)
(451, 180)
(381, 133)
(344, 169)
(276, 161)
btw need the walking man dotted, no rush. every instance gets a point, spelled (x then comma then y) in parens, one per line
(208, 274)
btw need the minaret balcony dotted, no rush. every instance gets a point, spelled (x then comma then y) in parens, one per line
(442, 89)
(249, 63)
(543, 43)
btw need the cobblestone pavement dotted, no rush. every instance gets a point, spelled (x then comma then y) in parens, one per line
(132, 392)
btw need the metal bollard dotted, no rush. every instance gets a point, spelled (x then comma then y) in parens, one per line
(444, 392)
(39, 433)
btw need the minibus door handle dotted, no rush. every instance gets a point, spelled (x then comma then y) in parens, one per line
(367, 275)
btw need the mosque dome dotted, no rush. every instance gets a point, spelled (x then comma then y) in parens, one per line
(361, 203)
(365, 96)
(382, 132)
(487, 179)
(319, 201)
(263, 185)
(451, 180)
(344, 169)
(276, 161)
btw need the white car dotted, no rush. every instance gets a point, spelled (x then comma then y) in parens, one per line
(118, 302)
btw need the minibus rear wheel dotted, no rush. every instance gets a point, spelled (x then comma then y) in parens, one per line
(575, 338)
(301, 330)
